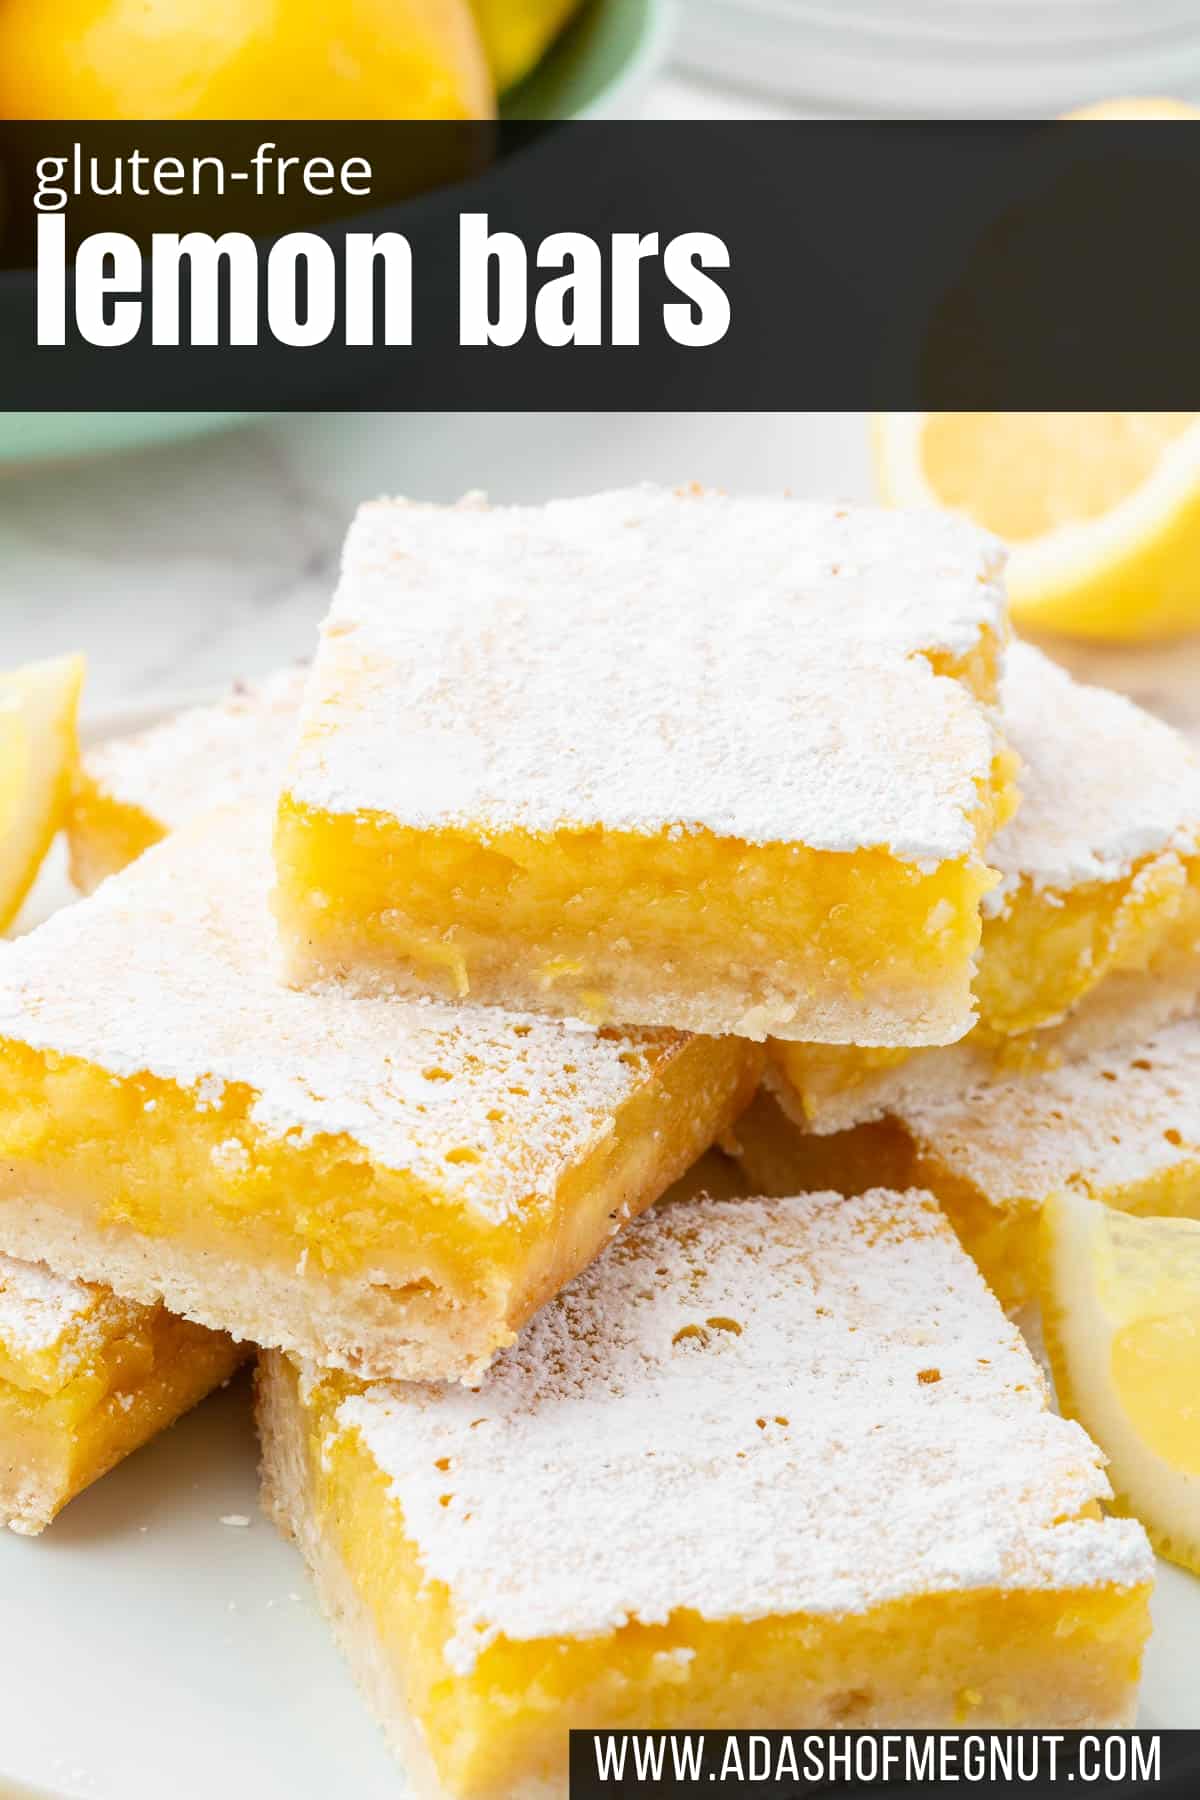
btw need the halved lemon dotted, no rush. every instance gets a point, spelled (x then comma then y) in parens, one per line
(1121, 1309)
(39, 706)
(1101, 511)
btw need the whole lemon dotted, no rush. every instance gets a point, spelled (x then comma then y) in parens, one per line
(242, 59)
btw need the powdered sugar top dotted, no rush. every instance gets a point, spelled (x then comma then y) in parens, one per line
(170, 968)
(36, 1306)
(1103, 784)
(1110, 1119)
(41, 1312)
(646, 660)
(746, 1407)
(219, 755)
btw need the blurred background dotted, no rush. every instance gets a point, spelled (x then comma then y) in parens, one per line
(940, 58)
(558, 58)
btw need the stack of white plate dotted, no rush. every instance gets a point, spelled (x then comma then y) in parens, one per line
(953, 58)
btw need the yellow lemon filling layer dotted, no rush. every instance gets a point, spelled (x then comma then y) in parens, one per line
(1048, 950)
(598, 923)
(142, 1158)
(951, 1659)
(105, 1343)
(53, 1444)
(105, 833)
(993, 1161)
(1045, 955)
(129, 792)
(765, 821)
(977, 668)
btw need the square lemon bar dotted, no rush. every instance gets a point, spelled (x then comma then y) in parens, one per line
(764, 1464)
(668, 758)
(86, 1378)
(130, 792)
(1092, 936)
(1120, 1126)
(387, 1186)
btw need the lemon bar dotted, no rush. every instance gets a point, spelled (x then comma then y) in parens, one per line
(388, 1186)
(812, 1478)
(1092, 936)
(130, 792)
(668, 758)
(1122, 1127)
(86, 1378)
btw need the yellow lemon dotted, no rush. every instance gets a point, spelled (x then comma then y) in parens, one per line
(242, 59)
(38, 753)
(516, 33)
(1101, 511)
(1121, 1304)
(14, 761)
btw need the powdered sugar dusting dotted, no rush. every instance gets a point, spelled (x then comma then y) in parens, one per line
(1103, 783)
(41, 1312)
(747, 1407)
(646, 660)
(208, 756)
(179, 953)
(1108, 1120)
(36, 1306)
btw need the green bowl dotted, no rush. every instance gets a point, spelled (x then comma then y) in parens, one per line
(595, 70)
(600, 64)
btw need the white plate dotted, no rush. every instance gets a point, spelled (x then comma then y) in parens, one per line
(148, 1649)
(1009, 58)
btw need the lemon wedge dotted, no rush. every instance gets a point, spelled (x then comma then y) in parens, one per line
(14, 761)
(1101, 511)
(39, 705)
(1121, 1309)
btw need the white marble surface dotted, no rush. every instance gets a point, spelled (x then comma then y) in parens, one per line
(178, 568)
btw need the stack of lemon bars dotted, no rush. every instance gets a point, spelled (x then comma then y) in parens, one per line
(594, 836)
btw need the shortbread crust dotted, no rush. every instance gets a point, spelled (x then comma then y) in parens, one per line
(85, 1379)
(677, 758)
(131, 791)
(1120, 1126)
(813, 1481)
(386, 1186)
(1092, 937)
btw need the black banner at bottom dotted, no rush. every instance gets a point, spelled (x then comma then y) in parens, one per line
(775, 1765)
